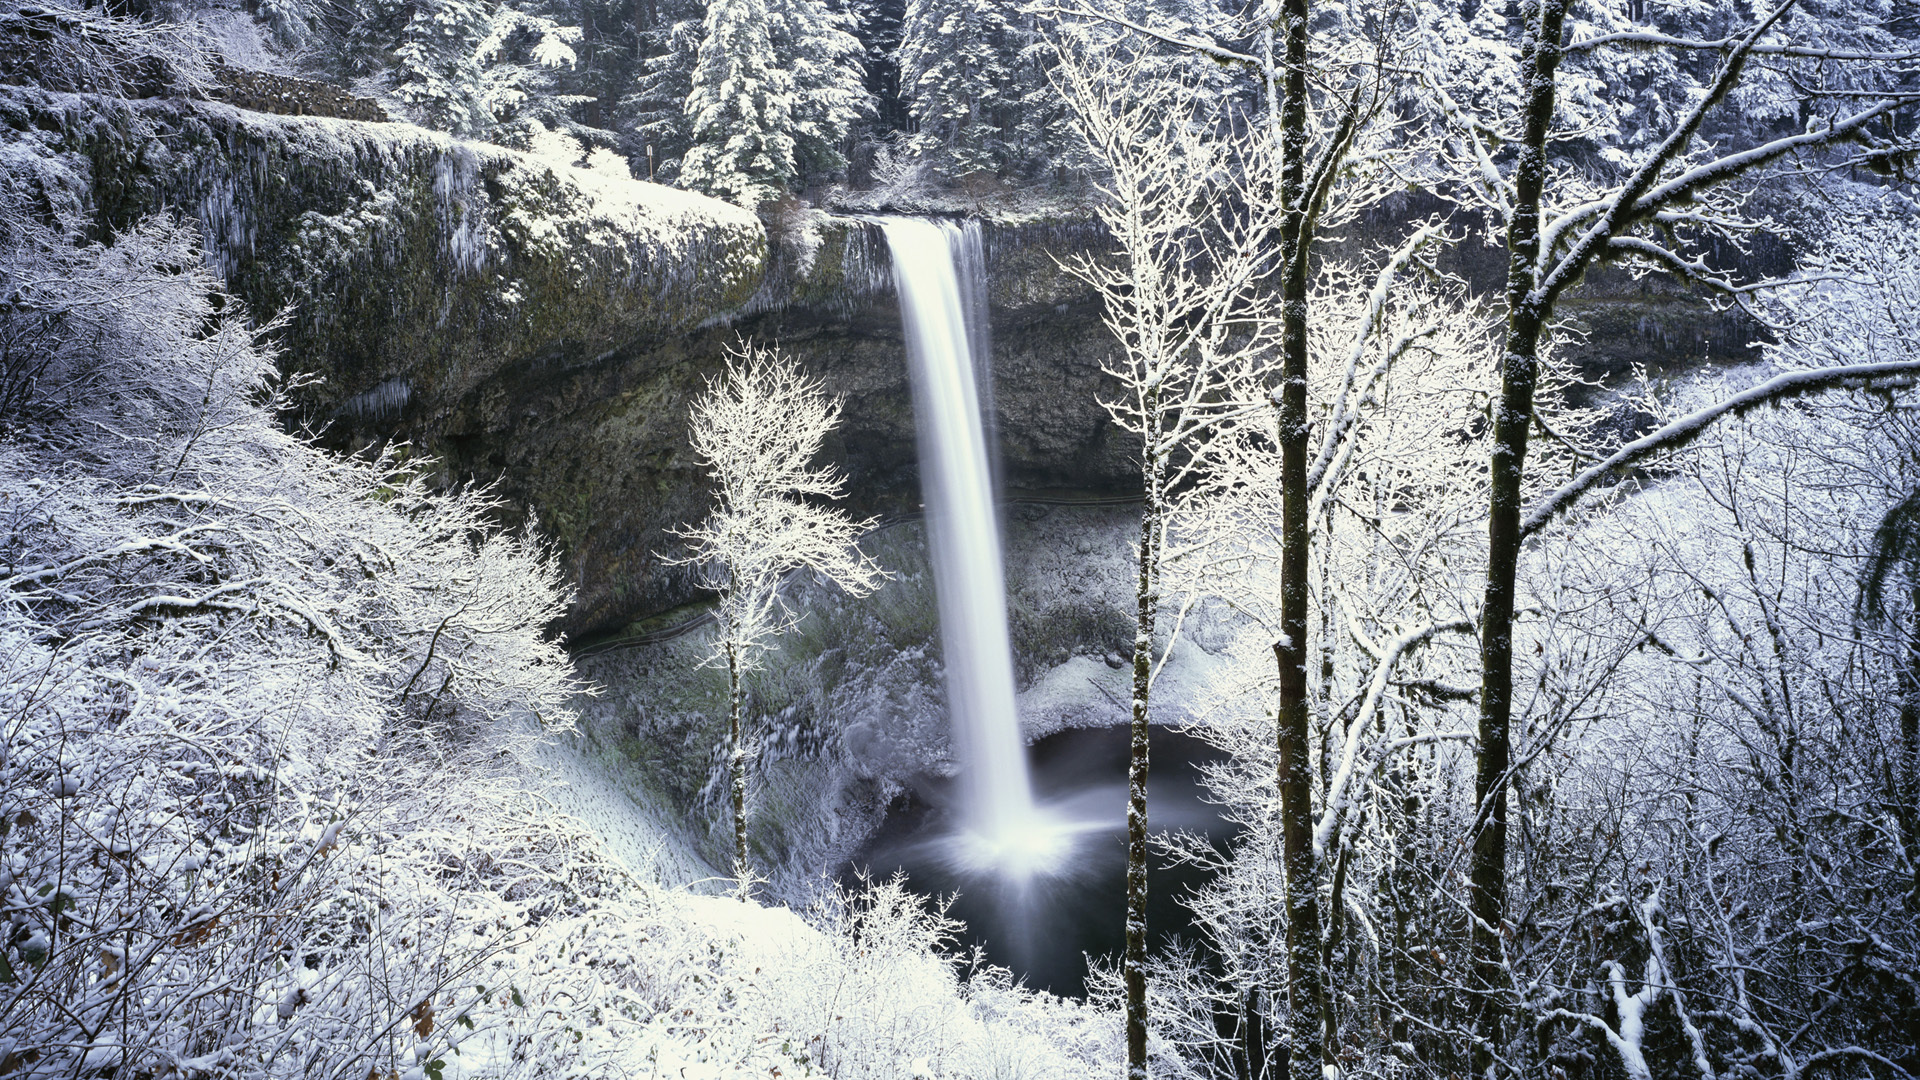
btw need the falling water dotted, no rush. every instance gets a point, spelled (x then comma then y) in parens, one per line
(963, 537)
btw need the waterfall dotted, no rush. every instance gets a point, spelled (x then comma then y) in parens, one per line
(950, 380)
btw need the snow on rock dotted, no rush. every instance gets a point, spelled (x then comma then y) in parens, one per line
(398, 252)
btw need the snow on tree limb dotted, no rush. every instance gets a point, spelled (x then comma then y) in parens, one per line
(1643, 38)
(1638, 195)
(1334, 804)
(1690, 427)
(1091, 14)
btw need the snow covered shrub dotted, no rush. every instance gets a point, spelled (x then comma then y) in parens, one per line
(249, 694)
(67, 47)
(1719, 845)
(886, 1006)
(1721, 850)
(634, 981)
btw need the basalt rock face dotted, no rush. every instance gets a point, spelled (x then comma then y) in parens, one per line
(411, 267)
(443, 293)
(599, 450)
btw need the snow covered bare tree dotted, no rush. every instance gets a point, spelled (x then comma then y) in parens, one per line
(1714, 878)
(235, 670)
(1396, 383)
(1657, 208)
(757, 430)
(1181, 299)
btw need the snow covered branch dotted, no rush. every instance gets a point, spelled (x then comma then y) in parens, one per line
(1686, 429)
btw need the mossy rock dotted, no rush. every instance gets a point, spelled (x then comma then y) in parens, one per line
(411, 267)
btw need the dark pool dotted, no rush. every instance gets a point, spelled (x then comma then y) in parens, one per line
(1044, 930)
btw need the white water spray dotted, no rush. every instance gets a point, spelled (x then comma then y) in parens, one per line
(1005, 832)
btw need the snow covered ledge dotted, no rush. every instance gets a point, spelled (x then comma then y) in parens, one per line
(413, 266)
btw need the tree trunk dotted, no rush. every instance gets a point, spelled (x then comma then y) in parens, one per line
(1519, 375)
(1147, 596)
(1309, 1021)
(1403, 885)
(1907, 769)
(737, 764)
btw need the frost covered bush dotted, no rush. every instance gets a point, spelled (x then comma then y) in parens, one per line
(240, 678)
(674, 985)
(80, 50)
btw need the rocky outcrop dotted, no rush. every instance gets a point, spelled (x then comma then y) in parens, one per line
(411, 267)
(427, 282)
(266, 92)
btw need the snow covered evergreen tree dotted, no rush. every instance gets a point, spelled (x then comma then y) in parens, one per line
(957, 73)
(774, 94)
(652, 116)
(740, 108)
(815, 42)
(461, 66)
(425, 53)
(879, 24)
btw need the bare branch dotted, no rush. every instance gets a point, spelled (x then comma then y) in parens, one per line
(1688, 428)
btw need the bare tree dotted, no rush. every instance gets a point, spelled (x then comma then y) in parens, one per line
(1670, 199)
(757, 430)
(1184, 304)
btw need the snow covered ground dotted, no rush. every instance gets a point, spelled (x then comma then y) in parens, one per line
(661, 982)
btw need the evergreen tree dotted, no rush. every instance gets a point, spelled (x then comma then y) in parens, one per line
(424, 51)
(774, 94)
(740, 108)
(957, 65)
(976, 79)
(652, 116)
(816, 44)
(583, 96)
(477, 68)
(880, 24)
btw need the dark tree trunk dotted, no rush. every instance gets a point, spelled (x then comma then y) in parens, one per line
(737, 764)
(1907, 767)
(1308, 1020)
(1147, 596)
(1519, 375)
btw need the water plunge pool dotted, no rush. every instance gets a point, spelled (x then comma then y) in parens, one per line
(1043, 924)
